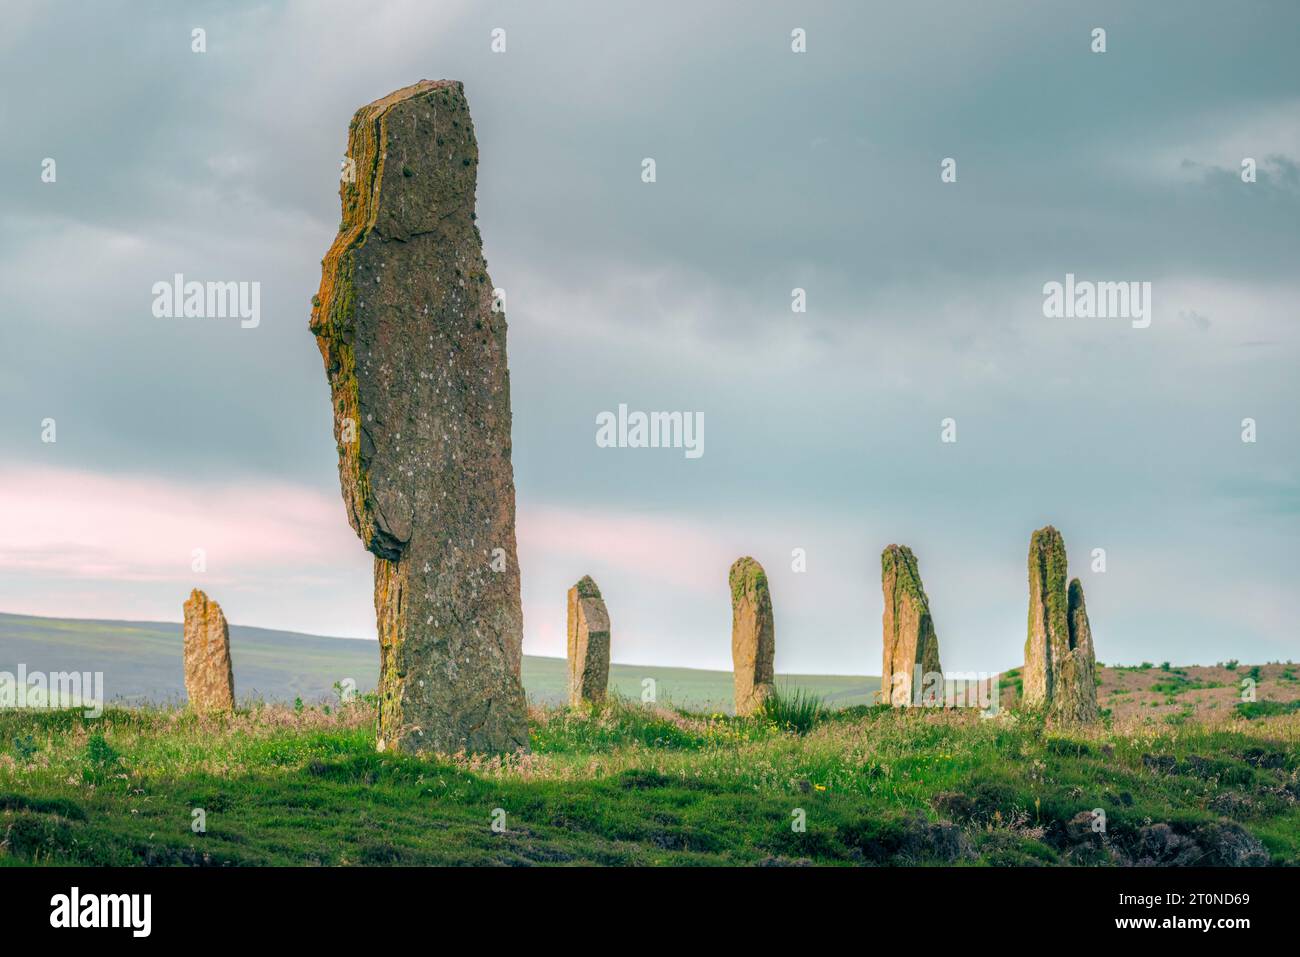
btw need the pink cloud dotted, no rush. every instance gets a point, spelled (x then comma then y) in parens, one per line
(80, 524)
(78, 543)
(672, 551)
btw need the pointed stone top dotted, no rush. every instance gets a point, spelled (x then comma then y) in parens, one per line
(1047, 552)
(901, 562)
(199, 597)
(746, 575)
(586, 587)
(896, 555)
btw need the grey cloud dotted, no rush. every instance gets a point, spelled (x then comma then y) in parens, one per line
(776, 170)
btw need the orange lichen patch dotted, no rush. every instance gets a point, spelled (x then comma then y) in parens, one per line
(334, 303)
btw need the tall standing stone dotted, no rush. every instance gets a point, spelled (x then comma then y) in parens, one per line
(910, 643)
(1059, 657)
(415, 353)
(753, 635)
(209, 677)
(1048, 636)
(588, 627)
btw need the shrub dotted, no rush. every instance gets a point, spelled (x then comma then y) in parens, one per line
(101, 759)
(798, 711)
(1251, 710)
(25, 748)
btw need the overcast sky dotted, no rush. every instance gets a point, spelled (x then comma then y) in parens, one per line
(775, 170)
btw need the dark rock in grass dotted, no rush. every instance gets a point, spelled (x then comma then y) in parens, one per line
(1216, 844)
(912, 839)
(1227, 844)
(1080, 829)
(415, 354)
(1266, 758)
(1232, 804)
(985, 802)
(1161, 763)
(954, 804)
(1159, 845)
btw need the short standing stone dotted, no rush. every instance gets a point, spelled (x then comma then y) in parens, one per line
(910, 670)
(588, 627)
(209, 678)
(415, 351)
(1075, 698)
(753, 635)
(1059, 657)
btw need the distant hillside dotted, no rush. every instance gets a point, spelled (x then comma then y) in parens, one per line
(1172, 694)
(141, 662)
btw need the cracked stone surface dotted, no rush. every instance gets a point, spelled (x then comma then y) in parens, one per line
(588, 645)
(209, 677)
(416, 361)
(753, 635)
(911, 647)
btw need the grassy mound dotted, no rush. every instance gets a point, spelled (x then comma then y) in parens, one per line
(623, 784)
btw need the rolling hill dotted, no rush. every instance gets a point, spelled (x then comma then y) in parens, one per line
(141, 662)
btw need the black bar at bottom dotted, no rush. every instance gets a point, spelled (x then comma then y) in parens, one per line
(336, 905)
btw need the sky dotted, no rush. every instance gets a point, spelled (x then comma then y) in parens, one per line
(775, 170)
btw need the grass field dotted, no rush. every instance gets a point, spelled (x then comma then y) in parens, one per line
(625, 784)
(1182, 769)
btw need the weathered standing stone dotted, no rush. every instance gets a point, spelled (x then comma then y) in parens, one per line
(1048, 616)
(1075, 698)
(588, 643)
(209, 677)
(910, 642)
(753, 635)
(415, 354)
(1059, 655)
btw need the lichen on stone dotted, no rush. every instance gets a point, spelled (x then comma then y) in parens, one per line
(588, 649)
(1059, 670)
(416, 361)
(910, 644)
(753, 635)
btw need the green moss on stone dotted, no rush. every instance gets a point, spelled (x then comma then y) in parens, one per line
(747, 577)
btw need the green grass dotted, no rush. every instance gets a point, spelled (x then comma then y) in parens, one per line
(1178, 684)
(623, 784)
(1253, 710)
(797, 710)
